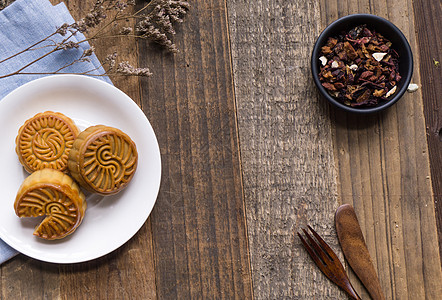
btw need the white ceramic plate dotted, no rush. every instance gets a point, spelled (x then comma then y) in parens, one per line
(109, 221)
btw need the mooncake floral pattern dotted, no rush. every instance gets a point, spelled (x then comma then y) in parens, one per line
(103, 159)
(57, 198)
(109, 162)
(45, 141)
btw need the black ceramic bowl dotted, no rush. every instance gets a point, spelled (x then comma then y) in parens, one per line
(389, 31)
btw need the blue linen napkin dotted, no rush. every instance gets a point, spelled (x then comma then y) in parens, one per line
(26, 22)
(22, 24)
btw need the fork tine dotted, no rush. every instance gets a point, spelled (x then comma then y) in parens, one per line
(319, 252)
(327, 261)
(324, 245)
(311, 252)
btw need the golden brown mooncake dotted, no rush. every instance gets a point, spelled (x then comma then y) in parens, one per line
(103, 159)
(44, 141)
(53, 194)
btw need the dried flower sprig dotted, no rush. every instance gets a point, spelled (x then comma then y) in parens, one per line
(158, 25)
(155, 22)
(4, 3)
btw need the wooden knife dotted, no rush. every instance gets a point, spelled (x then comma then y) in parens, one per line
(356, 251)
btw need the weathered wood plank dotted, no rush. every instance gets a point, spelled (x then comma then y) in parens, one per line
(428, 25)
(198, 223)
(384, 172)
(286, 145)
(26, 278)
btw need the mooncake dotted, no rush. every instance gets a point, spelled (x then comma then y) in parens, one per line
(53, 194)
(44, 141)
(103, 159)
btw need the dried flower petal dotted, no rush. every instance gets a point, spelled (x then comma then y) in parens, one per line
(126, 30)
(62, 30)
(92, 19)
(378, 56)
(88, 52)
(126, 68)
(379, 93)
(67, 45)
(412, 87)
(110, 60)
(350, 51)
(158, 24)
(353, 67)
(323, 60)
(391, 92)
(329, 86)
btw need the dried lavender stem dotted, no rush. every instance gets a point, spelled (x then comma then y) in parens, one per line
(143, 8)
(44, 55)
(116, 36)
(37, 59)
(101, 29)
(70, 64)
(29, 48)
(117, 17)
(29, 64)
(46, 46)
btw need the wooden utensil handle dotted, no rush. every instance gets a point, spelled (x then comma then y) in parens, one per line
(356, 251)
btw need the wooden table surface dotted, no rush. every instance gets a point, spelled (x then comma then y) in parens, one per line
(251, 153)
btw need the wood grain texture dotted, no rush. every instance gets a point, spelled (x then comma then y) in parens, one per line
(299, 160)
(384, 172)
(26, 278)
(286, 145)
(198, 223)
(428, 25)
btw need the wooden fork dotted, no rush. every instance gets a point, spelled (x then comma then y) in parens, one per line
(327, 261)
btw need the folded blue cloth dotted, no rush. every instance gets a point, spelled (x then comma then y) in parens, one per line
(22, 24)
